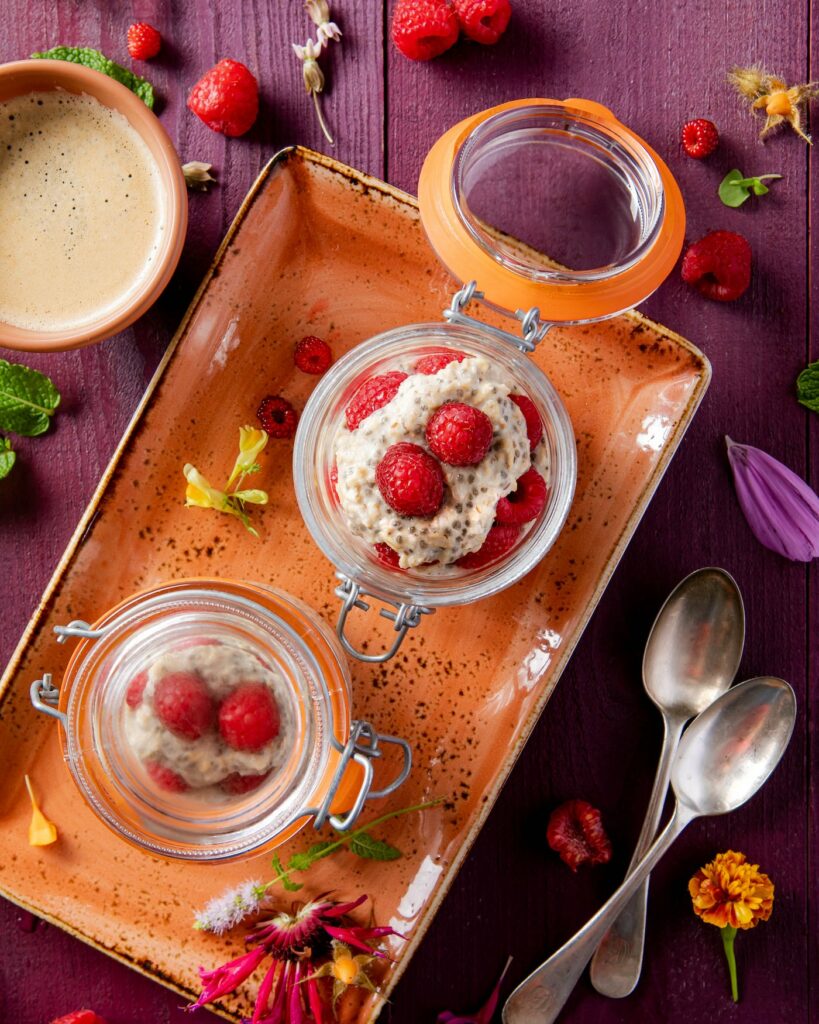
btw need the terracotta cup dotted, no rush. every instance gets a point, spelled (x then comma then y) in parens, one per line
(26, 76)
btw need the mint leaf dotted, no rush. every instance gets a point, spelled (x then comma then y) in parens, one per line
(27, 400)
(366, 846)
(807, 387)
(7, 457)
(281, 871)
(303, 861)
(99, 62)
(734, 189)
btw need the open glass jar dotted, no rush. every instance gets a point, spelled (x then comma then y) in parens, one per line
(503, 196)
(209, 719)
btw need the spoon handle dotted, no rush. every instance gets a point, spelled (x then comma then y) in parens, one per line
(616, 966)
(540, 997)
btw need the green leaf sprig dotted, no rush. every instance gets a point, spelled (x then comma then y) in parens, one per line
(97, 61)
(359, 842)
(28, 400)
(807, 387)
(734, 189)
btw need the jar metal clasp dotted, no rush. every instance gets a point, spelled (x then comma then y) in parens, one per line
(532, 330)
(403, 617)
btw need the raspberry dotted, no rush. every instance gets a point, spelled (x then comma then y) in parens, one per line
(226, 98)
(277, 416)
(459, 434)
(80, 1017)
(434, 363)
(718, 266)
(410, 480)
(534, 424)
(387, 555)
(165, 778)
(576, 833)
(699, 138)
(237, 784)
(143, 41)
(372, 395)
(312, 355)
(249, 717)
(484, 21)
(423, 29)
(498, 541)
(133, 695)
(183, 705)
(525, 503)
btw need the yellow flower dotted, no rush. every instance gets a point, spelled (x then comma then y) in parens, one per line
(199, 492)
(773, 96)
(730, 892)
(251, 442)
(346, 970)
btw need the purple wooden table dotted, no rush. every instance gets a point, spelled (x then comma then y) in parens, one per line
(655, 65)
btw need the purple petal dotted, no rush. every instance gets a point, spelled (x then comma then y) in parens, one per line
(350, 937)
(781, 509)
(228, 977)
(314, 998)
(486, 1012)
(340, 909)
(265, 989)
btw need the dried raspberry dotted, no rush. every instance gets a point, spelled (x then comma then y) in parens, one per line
(534, 424)
(312, 355)
(387, 555)
(576, 833)
(499, 540)
(143, 41)
(183, 705)
(165, 777)
(372, 396)
(277, 416)
(526, 502)
(237, 784)
(718, 266)
(459, 434)
(423, 29)
(432, 364)
(80, 1017)
(133, 695)
(699, 138)
(249, 717)
(484, 21)
(226, 98)
(410, 480)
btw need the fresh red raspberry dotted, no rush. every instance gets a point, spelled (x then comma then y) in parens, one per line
(432, 364)
(410, 480)
(389, 556)
(165, 777)
(372, 396)
(237, 784)
(277, 416)
(459, 434)
(499, 540)
(312, 355)
(226, 98)
(143, 41)
(183, 705)
(699, 138)
(133, 695)
(423, 29)
(576, 833)
(534, 424)
(525, 503)
(484, 21)
(718, 266)
(249, 717)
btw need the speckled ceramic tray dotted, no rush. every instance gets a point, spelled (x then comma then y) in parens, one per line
(318, 248)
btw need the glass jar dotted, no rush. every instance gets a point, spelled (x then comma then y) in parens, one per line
(199, 799)
(503, 195)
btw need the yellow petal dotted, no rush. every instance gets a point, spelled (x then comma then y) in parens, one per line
(251, 442)
(199, 491)
(41, 831)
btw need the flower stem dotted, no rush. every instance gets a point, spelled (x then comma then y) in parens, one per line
(321, 120)
(728, 936)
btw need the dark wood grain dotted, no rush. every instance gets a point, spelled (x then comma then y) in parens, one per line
(654, 65)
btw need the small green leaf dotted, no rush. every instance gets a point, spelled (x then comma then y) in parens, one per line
(366, 846)
(303, 861)
(7, 457)
(732, 190)
(280, 870)
(759, 189)
(27, 400)
(99, 62)
(807, 387)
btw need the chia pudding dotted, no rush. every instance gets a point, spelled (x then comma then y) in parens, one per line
(211, 717)
(471, 493)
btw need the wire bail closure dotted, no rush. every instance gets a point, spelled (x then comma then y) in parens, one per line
(404, 617)
(533, 329)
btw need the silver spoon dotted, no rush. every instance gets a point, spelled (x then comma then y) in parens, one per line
(691, 657)
(725, 756)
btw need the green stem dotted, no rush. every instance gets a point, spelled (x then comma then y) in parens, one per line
(728, 936)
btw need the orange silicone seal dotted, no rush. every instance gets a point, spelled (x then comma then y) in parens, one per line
(561, 295)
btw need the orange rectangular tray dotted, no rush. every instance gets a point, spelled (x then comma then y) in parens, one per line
(319, 248)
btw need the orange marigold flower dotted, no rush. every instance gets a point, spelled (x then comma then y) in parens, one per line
(730, 892)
